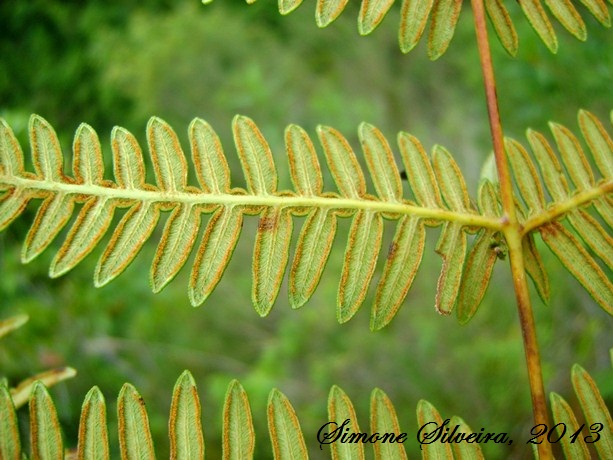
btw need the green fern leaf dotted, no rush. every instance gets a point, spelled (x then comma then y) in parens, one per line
(45, 435)
(503, 25)
(427, 413)
(445, 15)
(178, 239)
(284, 428)
(381, 164)
(238, 435)
(413, 19)
(340, 408)
(131, 234)
(343, 163)
(451, 247)
(594, 409)
(185, 426)
(563, 414)
(419, 172)
(363, 246)
(10, 443)
(93, 431)
(22, 392)
(327, 11)
(599, 142)
(167, 156)
(312, 251)
(134, 435)
(401, 265)
(599, 10)
(287, 6)
(573, 157)
(255, 156)
(211, 166)
(577, 261)
(270, 256)
(214, 253)
(383, 419)
(480, 260)
(465, 450)
(372, 13)
(535, 268)
(526, 177)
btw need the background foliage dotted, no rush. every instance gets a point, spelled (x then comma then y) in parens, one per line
(113, 62)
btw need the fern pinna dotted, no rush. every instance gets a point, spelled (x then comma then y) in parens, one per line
(439, 198)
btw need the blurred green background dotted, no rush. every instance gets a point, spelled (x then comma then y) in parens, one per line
(119, 62)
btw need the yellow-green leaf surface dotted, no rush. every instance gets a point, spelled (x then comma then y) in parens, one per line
(578, 261)
(569, 17)
(599, 142)
(419, 171)
(343, 164)
(413, 19)
(572, 154)
(303, 162)
(52, 216)
(445, 14)
(383, 419)
(168, 159)
(238, 434)
(284, 428)
(89, 228)
(465, 450)
(452, 248)
(128, 163)
(214, 253)
(593, 235)
(551, 169)
(184, 425)
(328, 10)
(450, 180)
(12, 204)
(10, 443)
(403, 258)
(287, 6)
(45, 434)
(380, 162)
(595, 411)
(503, 25)
(525, 176)
(533, 9)
(210, 163)
(177, 241)
(255, 156)
(11, 155)
(427, 414)
(372, 13)
(563, 416)
(23, 390)
(93, 433)
(135, 441)
(535, 268)
(10, 324)
(46, 150)
(87, 162)
(340, 409)
(132, 232)
(599, 10)
(363, 246)
(312, 252)
(270, 256)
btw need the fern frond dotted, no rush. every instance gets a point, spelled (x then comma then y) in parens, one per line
(285, 432)
(437, 185)
(444, 14)
(590, 239)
